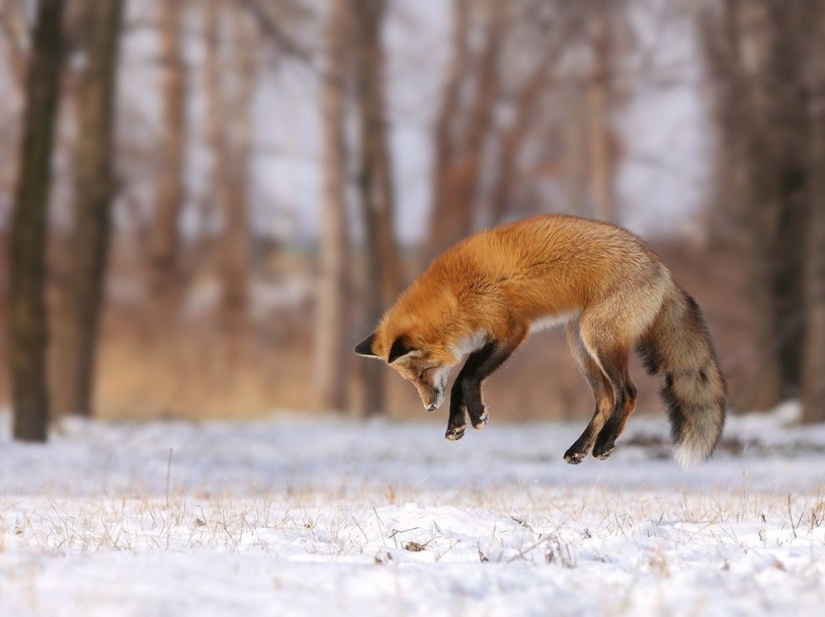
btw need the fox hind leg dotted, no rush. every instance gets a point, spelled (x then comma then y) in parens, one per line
(602, 393)
(608, 334)
(606, 440)
(602, 338)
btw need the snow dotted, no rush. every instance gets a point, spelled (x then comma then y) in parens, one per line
(301, 516)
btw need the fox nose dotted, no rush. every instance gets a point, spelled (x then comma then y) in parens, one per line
(430, 408)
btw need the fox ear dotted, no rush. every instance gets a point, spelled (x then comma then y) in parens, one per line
(364, 348)
(400, 347)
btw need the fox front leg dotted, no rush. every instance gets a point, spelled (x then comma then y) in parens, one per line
(465, 397)
(457, 422)
(462, 392)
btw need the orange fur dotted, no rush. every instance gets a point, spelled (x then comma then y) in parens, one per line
(494, 287)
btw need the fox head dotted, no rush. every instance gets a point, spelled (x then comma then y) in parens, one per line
(426, 365)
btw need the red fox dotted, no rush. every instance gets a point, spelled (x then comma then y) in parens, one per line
(484, 295)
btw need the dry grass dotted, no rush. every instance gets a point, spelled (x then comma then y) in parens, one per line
(191, 373)
(547, 526)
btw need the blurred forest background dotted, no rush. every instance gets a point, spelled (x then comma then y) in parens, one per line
(204, 204)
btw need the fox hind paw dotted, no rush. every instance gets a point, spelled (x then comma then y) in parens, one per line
(574, 457)
(603, 452)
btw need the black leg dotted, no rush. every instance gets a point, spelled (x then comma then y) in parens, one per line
(457, 421)
(576, 453)
(606, 440)
(480, 364)
(465, 397)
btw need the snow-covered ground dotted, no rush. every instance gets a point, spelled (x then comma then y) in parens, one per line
(327, 517)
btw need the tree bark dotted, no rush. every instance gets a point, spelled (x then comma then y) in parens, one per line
(216, 114)
(766, 117)
(759, 207)
(598, 100)
(813, 384)
(788, 130)
(453, 212)
(445, 128)
(238, 142)
(813, 375)
(739, 81)
(164, 274)
(332, 313)
(575, 148)
(27, 312)
(511, 143)
(79, 317)
(374, 184)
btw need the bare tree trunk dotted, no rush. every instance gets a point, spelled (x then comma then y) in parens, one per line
(771, 114)
(766, 386)
(446, 139)
(223, 172)
(370, 19)
(527, 100)
(813, 375)
(164, 272)
(453, 217)
(745, 149)
(813, 384)
(216, 114)
(761, 209)
(598, 99)
(27, 311)
(374, 185)
(575, 149)
(332, 314)
(387, 247)
(229, 133)
(768, 110)
(79, 318)
(235, 246)
(786, 119)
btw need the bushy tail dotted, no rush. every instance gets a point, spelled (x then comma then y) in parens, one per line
(677, 346)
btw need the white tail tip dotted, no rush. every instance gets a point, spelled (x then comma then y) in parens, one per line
(687, 455)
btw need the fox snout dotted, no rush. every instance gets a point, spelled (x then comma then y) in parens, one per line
(433, 402)
(432, 394)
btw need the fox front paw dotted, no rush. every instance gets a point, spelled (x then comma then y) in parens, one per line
(479, 420)
(454, 433)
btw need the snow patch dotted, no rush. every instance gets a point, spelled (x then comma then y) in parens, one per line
(303, 517)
